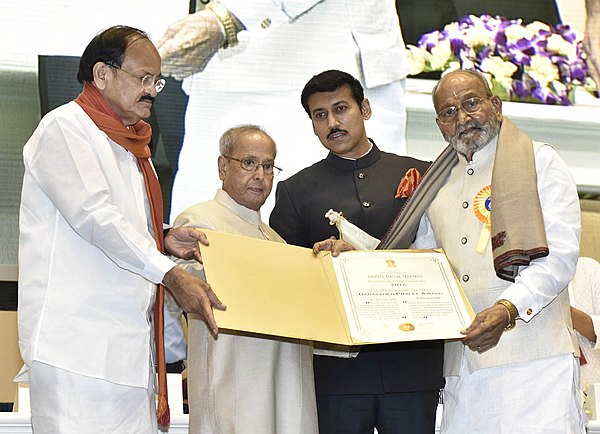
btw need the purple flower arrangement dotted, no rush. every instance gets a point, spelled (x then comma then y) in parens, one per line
(529, 63)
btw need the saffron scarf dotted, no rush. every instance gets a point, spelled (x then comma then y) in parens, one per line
(518, 232)
(136, 139)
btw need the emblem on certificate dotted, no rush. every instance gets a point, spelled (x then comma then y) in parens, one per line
(482, 205)
(406, 327)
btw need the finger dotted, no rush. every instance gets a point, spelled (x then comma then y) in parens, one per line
(322, 245)
(343, 246)
(209, 317)
(470, 344)
(198, 257)
(201, 236)
(164, 40)
(167, 36)
(340, 246)
(214, 300)
(477, 347)
(472, 327)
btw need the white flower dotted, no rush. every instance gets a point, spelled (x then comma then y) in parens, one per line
(560, 88)
(478, 36)
(536, 26)
(440, 55)
(453, 66)
(494, 23)
(559, 45)
(494, 82)
(452, 28)
(467, 63)
(488, 77)
(499, 68)
(417, 60)
(542, 70)
(516, 31)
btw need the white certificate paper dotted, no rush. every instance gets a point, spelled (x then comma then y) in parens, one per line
(401, 295)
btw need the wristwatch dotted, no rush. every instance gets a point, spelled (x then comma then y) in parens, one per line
(512, 312)
(226, 20)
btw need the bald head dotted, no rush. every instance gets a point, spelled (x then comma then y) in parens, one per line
(466, 74)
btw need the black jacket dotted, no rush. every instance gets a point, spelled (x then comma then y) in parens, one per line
(364, 191)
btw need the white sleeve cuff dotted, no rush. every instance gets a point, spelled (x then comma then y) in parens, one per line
(157, 266)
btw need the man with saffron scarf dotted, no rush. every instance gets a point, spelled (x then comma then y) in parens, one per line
(506, 212)
(91, 251)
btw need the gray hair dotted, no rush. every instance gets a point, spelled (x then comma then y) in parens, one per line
(228, 138)
(476, 74)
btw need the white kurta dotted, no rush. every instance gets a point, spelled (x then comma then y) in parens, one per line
(260, 82)
(240, 383)
(585, 296)
(545, 332)
(88, 263)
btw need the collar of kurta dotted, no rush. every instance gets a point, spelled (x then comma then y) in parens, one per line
(247, 214)
(347, 164)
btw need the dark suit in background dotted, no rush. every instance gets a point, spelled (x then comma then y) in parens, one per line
(364, 191)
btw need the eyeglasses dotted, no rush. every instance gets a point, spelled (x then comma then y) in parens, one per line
(470, 106)
(251, 165)
(147, 80)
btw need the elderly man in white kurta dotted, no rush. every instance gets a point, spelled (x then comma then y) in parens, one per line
(506, 212)
(239, 383)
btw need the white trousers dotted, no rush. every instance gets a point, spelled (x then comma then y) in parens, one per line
(533, 397)
(63, 402)
(210, 113)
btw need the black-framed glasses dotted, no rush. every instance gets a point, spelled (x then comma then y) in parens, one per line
(147, 80)
(251, 165)
(470, 106)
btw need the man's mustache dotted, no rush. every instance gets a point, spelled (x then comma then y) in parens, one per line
(334, 131)
(147, 98)
(471, 124)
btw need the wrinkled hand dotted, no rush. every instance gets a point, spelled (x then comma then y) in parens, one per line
(189, 43)
(332, 244)
(487, 327)
(183, 243)
(194, 295)
(592, 43)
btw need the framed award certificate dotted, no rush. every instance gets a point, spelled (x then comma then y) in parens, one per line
(358, 298)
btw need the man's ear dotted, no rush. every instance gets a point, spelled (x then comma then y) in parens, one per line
(365, 109)
(439, 124)
(222, 163)
(100, 73)
(497, 103)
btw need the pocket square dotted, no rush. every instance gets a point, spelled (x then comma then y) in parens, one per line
(408, 183)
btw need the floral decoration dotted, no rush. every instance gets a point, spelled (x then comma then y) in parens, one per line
(531, 63)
